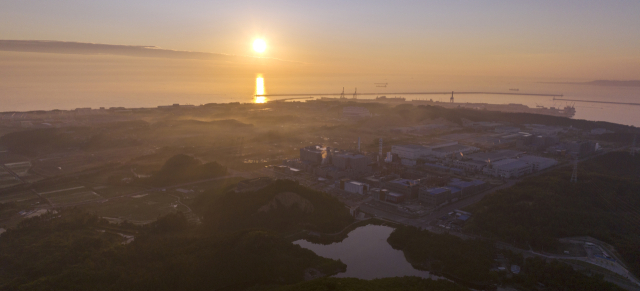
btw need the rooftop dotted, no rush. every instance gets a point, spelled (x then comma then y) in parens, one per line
(494, 156)
(530, 158)
(452, 189)
(404, 182)
(510, 164)
(455, 147)
(411, 146)
(436, 191)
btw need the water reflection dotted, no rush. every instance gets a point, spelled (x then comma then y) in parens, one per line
(367, 254)
(260, 90)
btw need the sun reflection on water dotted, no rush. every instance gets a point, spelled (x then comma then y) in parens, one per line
(260, 90)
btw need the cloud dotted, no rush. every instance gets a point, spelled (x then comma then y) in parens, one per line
(81, 48)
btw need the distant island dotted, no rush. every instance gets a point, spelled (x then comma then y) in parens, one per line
(616, 83)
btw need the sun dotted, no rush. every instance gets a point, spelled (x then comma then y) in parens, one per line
(259, 45)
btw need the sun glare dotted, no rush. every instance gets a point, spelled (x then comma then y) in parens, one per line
(260, 90)
(259, 45)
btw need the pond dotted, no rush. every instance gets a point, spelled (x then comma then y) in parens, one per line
(367, 255)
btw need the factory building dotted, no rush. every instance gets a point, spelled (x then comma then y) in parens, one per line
(494, 156)
(329, 163)
(455, 192)
(508, 168)
(409, 151)
(414, 152)
(395, 197)
(469, 165)
(410, 188)
(435, 196)
(355, 112)
(330, 172)
(582, 148)
(535, 143)
(356, 187)
(312, 154)
(450, 150)
(538, 163)
(468, 188)
(379, 194)
(348, 161)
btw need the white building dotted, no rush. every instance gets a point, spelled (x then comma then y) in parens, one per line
(356, 187)
(508, 168)
(538, 163)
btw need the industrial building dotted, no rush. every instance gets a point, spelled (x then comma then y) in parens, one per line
(468, 188)
(536, 142)
(443, 150)
(538, 163)
(450, 150)
(435, 196)
(312, 154)
(395, 197)
(349, 161)
(494, 156)
(356, 187)
(410, 188)
(379, 194)
(442, 169)
(330, 163)
(582, 148)
(409, 151)
(469, 165)
(508, 168)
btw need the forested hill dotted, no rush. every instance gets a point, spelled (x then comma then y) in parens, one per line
(183, 168)
(73, 250)
(604, 204)
(282, 206)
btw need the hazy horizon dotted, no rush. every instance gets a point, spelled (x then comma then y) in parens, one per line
(63, 55)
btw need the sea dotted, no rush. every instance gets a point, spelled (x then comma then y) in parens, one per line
(26, 97)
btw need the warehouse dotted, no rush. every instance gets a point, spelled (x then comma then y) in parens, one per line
(435, 196)
(538, 163)
(508, 168)
(356, 187)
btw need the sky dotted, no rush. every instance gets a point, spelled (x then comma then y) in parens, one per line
(573, 39)
(540, 40)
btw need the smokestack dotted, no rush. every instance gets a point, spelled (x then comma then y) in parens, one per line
(358, 144)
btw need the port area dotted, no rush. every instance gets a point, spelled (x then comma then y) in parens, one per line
(567, 111)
